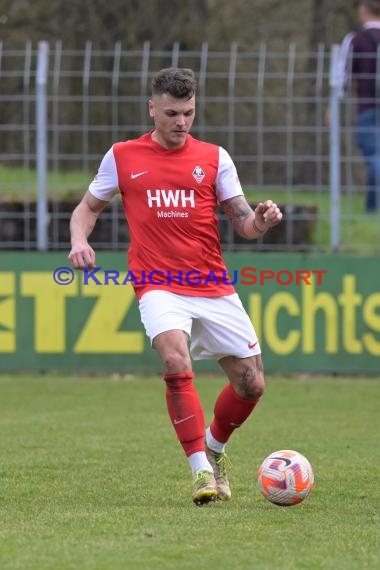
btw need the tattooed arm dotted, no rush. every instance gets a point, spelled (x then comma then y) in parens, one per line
(251, 224)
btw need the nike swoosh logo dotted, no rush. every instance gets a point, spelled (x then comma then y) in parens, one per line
(287, 461)
(133, 176)
(252, 344)
(176, 422)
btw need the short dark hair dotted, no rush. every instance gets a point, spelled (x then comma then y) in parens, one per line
(177, 82)
(373, 6)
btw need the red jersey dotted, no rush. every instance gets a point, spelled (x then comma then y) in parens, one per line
(170, 198)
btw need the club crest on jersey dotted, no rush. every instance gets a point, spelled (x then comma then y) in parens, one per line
(198, 174)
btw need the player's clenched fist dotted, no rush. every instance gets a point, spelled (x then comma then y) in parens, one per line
(267, 214)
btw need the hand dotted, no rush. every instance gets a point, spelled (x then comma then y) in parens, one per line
(82, 255)
(267, 215)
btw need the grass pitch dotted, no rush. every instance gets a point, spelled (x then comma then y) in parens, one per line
(92, 477)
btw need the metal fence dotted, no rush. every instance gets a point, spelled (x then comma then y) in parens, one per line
(61, 109)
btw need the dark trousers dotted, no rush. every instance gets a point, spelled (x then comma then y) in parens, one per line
(368, 140)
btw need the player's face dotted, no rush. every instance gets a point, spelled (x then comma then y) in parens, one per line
(173, 119)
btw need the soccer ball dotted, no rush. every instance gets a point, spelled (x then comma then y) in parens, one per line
(285, 478)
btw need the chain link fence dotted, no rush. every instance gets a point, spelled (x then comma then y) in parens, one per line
(267, 109)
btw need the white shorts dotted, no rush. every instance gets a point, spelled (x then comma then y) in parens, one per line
(217, 326)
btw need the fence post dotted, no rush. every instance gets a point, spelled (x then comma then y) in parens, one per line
(41, 144)
(260, 114)
(86, 105)
(334, 149)
(202, 76)
(231, 97)
(144, 77)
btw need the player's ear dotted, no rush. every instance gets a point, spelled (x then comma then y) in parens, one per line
(151, 108)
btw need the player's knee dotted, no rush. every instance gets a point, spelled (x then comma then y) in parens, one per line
(175, 362)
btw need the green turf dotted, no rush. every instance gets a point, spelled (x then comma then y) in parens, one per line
(21, 183)
(93, 478)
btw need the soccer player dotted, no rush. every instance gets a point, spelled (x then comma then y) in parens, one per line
(171, 185)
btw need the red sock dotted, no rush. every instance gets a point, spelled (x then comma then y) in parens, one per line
(230, 412)
(185, 411)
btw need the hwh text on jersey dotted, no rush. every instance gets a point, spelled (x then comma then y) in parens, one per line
(171, 198)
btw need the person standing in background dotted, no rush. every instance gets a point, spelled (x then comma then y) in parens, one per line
(359, 58)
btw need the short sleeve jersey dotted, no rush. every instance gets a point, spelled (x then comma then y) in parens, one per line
(170, 197)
